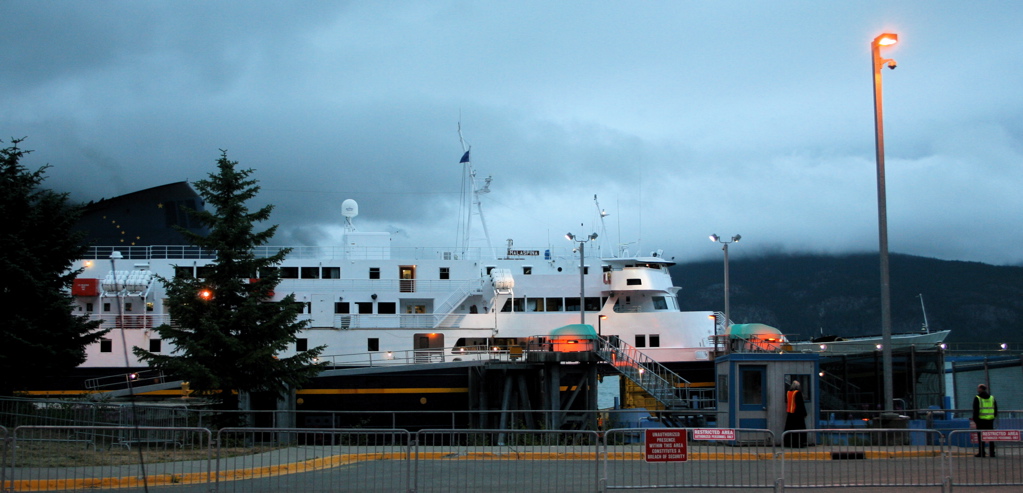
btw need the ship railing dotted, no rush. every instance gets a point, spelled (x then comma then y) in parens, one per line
(421, 356)
(667, 387)
(455, 298)
(328, 252)
(131, 321)
(125, 380)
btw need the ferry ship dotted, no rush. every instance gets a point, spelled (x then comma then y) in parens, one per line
(376, 305)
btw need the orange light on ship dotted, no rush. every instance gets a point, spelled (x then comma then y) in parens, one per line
(205, 294)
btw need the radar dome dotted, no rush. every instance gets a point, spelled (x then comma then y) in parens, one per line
(349, 208)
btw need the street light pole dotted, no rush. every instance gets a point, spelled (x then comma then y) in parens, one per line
(886, 39)
(582, 270)
(724, 247)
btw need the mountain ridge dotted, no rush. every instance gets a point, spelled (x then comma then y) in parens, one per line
(807, 295)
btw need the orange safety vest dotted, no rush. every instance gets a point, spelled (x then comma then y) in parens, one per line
(791, 397)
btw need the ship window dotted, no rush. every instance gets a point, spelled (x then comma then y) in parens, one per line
(301, 344)
(507, 306)
(127, 307)
(342, 307)
(633, 282)
(586, 269)
(519, 305)
(310, 272)
(387, 307)
(445, 273)
(640, 340)
(655, 340)
(372, 344)
(534, 304)
(659, 303)
(149, 306)
(592, 304)
(527, 270)
(154, 345)
(374, 272)
(365, 307)
(332, 273)
(88, 307)
(571, 304)
(289, 272)
(184, 272)
(106, 346)
(490, 268)
(106, 307)
(555, 304)
(205, 271)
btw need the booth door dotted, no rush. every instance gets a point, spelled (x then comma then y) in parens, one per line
(752, 393)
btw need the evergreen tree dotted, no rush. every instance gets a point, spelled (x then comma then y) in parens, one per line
(40, 337)
(226, 336)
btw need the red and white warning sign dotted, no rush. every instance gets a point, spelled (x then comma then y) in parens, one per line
(713, 433)
(666, 445)
(999, 435)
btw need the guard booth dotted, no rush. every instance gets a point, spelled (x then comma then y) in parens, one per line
(751, 389)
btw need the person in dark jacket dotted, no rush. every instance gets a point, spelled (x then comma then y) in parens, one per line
(795, 417)
(984, 411)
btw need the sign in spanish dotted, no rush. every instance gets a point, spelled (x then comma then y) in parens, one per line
(713, 434)
(666, 445)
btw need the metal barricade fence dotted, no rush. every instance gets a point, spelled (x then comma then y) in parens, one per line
(4, 447)
(862, 457)
(72, 458)
(1002, 468)
(507, 461)
(745, 461)
(304, 459)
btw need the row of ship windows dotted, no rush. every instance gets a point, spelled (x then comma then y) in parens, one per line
(128, 306)
(592, 304)
(301, 344)
(443, 273)
(372, 343)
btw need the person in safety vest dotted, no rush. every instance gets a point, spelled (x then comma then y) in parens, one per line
(984, 411)
(795, 417)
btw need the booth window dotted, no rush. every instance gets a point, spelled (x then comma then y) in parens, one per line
(751, 387)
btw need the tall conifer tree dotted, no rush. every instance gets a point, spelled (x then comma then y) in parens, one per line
(40, 337)
(226, 336)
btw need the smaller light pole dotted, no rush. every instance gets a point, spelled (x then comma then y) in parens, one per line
(724, 247)
(582, 271)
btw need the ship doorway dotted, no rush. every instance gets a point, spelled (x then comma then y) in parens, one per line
(429, 348)
(322, 313)
(415, 314)
(407, 278)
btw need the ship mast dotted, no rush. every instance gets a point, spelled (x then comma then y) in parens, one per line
(470, 203)
(927, 328)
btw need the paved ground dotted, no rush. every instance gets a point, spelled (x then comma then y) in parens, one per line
(555, 469)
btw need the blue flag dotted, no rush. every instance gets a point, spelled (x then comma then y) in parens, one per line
(465, 158)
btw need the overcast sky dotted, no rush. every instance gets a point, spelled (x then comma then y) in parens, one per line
(685, 118)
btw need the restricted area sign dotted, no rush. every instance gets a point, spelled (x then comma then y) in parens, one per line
(666, 445)
(999, 435)
(713, 433)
